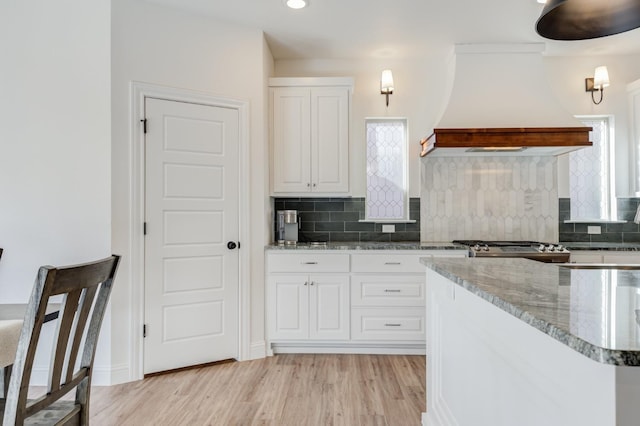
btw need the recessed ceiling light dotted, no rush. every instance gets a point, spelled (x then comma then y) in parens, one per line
(296, 4)
(542, 1)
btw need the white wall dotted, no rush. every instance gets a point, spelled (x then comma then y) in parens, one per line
(167, 47)
(55, 136)
(419, 89)
(423, 88)
(566, 76)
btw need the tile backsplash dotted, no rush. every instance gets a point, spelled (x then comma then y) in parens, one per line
(628, 232)
(338, 219)
(489, 197)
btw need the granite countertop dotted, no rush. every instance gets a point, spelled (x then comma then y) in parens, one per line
(602, 246)
(593, 311)
(370, 246)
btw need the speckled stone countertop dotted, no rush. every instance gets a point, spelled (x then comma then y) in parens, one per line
(370, 246)
(602, 246)
(593, 311)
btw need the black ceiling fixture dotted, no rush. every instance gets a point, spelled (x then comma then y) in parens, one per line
(586, 19)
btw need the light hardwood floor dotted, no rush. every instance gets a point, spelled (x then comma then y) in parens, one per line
(280, 390)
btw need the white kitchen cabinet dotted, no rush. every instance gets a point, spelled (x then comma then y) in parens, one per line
(343, 301)
(310, 135)
(387, 296)
(308, 296)
(309, 307)
(605, 256)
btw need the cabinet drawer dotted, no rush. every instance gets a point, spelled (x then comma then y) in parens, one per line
(386, 263)
(376, 290)
(388, 324)
(308, 262)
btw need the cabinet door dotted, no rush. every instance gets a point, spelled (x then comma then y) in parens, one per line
(329, 307)
(330, 140)
(288, 307)
(628, 258)
(291, 140)
(586, 257)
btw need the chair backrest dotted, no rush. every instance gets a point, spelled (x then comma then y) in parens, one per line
(79, 286)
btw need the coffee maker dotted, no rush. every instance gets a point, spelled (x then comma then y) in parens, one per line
(287, 227)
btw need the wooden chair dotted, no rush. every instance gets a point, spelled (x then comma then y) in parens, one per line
(79, 286)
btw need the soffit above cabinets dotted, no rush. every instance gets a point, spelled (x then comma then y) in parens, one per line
(526, 141)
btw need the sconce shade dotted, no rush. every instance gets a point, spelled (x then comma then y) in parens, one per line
(386, 82)
(296, 4)
(601, 78)
(587, 19)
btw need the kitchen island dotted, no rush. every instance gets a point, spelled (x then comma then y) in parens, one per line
(514, 341)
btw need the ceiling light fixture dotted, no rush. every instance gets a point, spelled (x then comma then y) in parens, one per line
(597, 83)
(296, 4)
(587, 19)
(386, 84)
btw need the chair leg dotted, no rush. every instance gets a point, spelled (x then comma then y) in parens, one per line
(82, 397)
(5, 377)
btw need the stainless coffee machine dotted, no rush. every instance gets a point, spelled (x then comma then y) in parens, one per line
(287, 226)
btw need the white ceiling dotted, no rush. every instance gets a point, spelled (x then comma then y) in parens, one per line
(329, 29)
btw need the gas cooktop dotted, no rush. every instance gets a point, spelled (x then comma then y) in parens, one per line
(534, 250)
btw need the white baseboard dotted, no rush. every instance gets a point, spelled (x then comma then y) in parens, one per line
(39, 376)
(102, 375)
(118, 374)
(257, 350)
(424, 419)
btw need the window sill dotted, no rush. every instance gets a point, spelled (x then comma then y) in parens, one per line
(594, 221)
(386, 221)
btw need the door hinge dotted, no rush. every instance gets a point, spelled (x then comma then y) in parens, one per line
(144, 125)
(144, 228)
(144, 330)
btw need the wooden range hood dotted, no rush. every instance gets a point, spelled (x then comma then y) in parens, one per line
(506, 141)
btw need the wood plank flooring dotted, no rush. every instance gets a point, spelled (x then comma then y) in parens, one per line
(284, 389)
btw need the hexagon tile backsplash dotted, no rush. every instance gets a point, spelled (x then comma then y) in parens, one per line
(489, 198)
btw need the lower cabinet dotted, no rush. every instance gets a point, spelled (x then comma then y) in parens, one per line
(308, 307)
(345, 302)
(388, 307)
(605, 256)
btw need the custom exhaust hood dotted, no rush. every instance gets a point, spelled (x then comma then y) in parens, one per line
(501, 104)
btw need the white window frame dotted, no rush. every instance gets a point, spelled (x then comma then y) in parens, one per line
(405, 171)
(608, 165)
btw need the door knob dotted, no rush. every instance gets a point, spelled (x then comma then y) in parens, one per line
(231, 245)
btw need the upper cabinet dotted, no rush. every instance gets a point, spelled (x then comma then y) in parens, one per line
(310, 135)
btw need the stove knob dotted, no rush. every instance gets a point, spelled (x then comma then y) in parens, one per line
(550, 247)
(476, 247)
(541, 248)
(560, 247)
(485, 248)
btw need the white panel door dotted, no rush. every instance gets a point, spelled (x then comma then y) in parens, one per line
(191, 213)
(291, 146)
(329, 307)
(288, 306)
(330, 139)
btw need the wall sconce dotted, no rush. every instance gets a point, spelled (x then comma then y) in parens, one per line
(599, 81)
(386, 84)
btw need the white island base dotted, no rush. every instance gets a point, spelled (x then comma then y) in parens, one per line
(486, 367)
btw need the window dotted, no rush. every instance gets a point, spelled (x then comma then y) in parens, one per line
(387, 158)
(591, 173)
